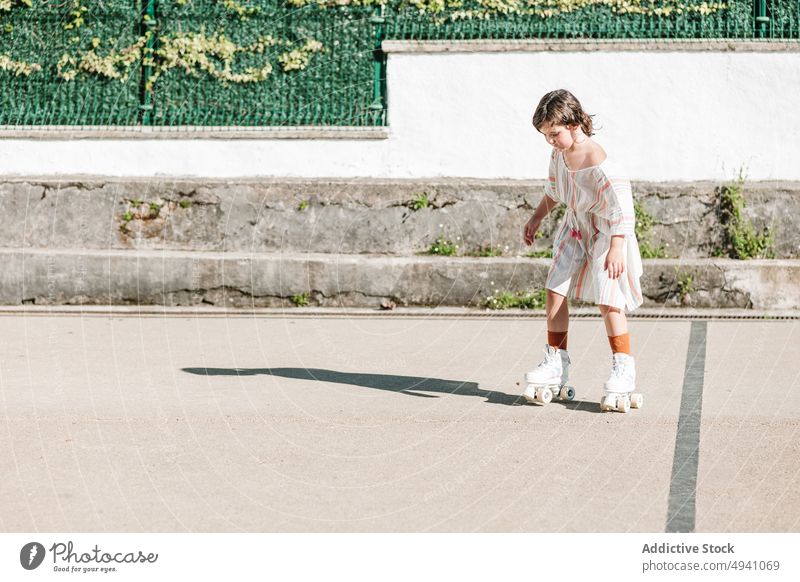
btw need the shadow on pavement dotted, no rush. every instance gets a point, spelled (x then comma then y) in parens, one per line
(410, 385)
(579, 405)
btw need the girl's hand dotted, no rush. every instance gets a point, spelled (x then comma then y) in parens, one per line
(615, 263)
(531, 227)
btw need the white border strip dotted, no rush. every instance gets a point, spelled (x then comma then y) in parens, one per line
(396, 557)
(65, 132)
(589, 45)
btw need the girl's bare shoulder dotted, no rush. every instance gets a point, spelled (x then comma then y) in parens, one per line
(597, 155)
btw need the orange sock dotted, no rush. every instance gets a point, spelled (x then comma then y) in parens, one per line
(557, 339)
(620, 343)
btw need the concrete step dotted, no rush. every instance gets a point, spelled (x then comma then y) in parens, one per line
(236, 279)
(401, 217)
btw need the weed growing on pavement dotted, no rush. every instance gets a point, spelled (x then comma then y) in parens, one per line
(302, 206)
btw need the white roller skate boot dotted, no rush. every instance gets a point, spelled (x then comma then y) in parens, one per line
(618, 392)
(549, 378)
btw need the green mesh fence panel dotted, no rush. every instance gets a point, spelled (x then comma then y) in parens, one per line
(597, 21)
(38, 35)
(334, 88)
(55, 68)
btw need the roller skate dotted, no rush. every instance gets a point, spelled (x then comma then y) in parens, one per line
(549, 379)
(618, 392)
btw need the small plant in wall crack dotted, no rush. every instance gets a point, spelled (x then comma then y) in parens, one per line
(644, 226)
(137, 209)
(443, 247)
(685, 282)
(300, 300)
(419, 202)
(739, 237)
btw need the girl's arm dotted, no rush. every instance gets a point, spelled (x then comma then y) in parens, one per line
(615, 260)
(618, 211)
(545, 206)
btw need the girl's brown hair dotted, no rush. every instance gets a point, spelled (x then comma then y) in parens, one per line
(561, 107)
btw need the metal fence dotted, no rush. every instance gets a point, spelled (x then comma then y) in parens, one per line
(335, 87)
(692, 19)
(36, 38)
(257, 63)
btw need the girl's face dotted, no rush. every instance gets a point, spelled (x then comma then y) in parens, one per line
(560, 137)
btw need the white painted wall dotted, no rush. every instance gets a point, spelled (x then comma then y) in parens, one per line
(664, 115)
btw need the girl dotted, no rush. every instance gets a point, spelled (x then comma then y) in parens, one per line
(595, 254)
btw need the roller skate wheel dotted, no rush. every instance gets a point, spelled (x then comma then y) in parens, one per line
(637, 400)
(608, 403)
(567, 393)
(544, 395)
(623, 404)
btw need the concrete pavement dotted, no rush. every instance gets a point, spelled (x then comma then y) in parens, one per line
(276, 423)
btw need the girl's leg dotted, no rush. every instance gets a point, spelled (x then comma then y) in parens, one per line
(550, 377)
(557, 320)
(622, 380)
(615, 320)
(616, 328)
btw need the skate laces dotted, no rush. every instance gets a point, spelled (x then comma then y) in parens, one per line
(549, 358)
(617, 367)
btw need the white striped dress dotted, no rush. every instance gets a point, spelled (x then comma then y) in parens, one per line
(599, 204)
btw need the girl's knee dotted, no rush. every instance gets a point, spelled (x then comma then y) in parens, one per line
(554, 298)
(606, 309)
